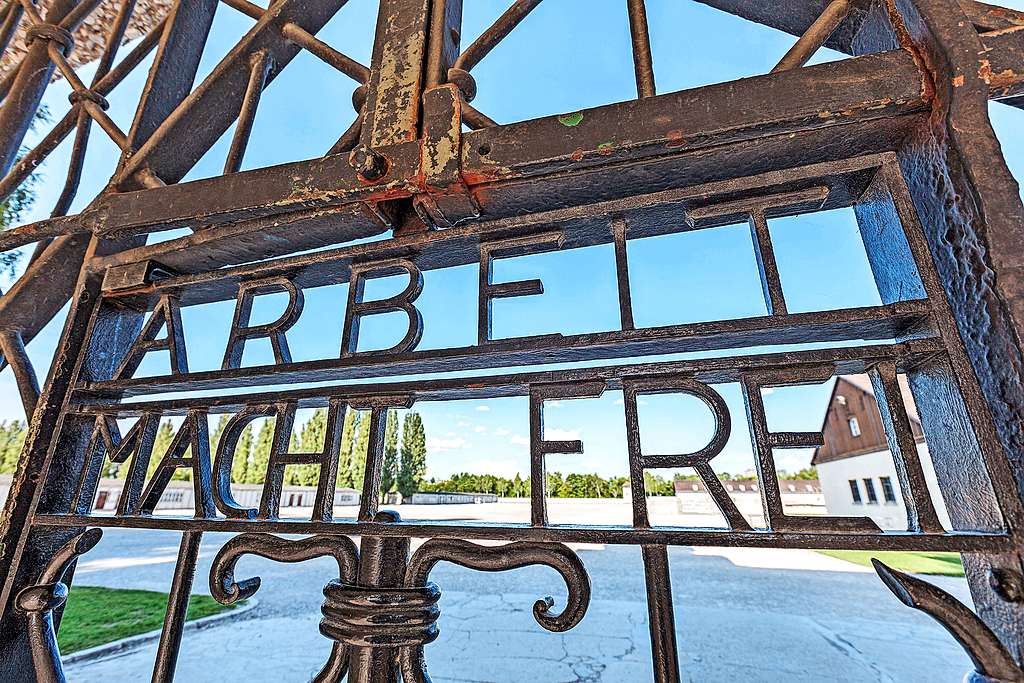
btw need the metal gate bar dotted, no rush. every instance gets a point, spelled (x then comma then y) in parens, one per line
(900, 134)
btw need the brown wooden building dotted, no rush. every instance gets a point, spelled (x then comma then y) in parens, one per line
(853, 425)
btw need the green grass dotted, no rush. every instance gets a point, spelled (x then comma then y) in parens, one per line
(945, 564)
(95, 616)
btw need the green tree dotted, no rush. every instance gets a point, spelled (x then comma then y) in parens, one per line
(257, 470)
(348, 431)
(392, 466)
(520, 488)
(217, 433)
(164, 437)
(413, 455)
(658, 486)
(808, 474)
(312, 438)
(243, 452)
(360, 450)
(12, 439)
(19, 201)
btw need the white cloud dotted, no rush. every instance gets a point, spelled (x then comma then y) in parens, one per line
(501, 431)
(483, 409)
(519, 440)
(440, 445)
(620, 401)
(561, 434)
(479, 429)
(553, 404)
(501, 467)
(461, 423)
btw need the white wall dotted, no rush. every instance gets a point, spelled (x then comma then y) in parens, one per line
(835, 484)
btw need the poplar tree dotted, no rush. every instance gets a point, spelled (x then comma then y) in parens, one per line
(314, 433)
(413, 455)
(348, 431)
(360, 449)
(257, 470)
(389, 476)
(292, 472)
(243, 451)
(164, 437)
(217, 433)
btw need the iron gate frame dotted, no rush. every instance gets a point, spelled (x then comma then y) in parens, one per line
(901, 133)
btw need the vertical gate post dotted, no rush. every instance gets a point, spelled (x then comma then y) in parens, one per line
(91, 347)
(382, 564)
(52, 448)
(973, 222)
(396, 73)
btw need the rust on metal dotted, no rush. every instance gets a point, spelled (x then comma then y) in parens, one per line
(898, 132)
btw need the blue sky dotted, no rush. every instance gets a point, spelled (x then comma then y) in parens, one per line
(568, 55)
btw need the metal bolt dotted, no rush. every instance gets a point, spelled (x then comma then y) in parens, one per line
(369, 164)
(464, 81)
(1008, 584)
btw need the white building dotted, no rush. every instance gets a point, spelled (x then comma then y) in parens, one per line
(450, 498)
(855, 467)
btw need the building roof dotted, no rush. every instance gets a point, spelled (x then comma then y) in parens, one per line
(838, 445)
(863, 382)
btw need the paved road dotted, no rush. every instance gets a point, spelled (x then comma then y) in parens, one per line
(739, 617)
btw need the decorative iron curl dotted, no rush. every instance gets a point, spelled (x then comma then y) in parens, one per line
(49, 593)
(226, 590)
(992, 661)
(497, 559)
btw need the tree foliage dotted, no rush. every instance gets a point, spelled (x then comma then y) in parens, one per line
(348, 431)
(243, 454)
(392, 465)
(12, 439)
(413, 459)
(257, 470)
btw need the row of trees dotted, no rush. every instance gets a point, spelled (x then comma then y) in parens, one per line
(405, 461)
(577, 485)
(405, 451)
(559, 485)
(405, 456)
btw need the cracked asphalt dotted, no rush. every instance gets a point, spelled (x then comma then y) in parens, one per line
(739, 616)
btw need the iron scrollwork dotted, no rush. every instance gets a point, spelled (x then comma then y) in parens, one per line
(226, 590)
(496, 559)
(993, 663)
(396, 620)
(49, 593)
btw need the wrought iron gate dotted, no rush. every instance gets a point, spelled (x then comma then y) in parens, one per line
(900, 133)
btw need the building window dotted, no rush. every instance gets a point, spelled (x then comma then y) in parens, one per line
(854, 426)
(869, 487)
(855, 492)
(887, 490)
